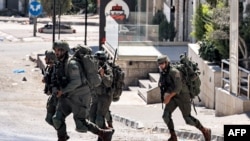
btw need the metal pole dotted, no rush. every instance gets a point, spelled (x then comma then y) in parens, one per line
(86, 14)
(35, 25)
(54, 20)
(59, 23)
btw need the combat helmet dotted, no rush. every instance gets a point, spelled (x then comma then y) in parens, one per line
(100, 55)
(162, 58)
(61, 44)
(50, 55)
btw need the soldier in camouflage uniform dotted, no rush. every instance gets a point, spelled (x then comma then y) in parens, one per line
(50, 60)
(176, 94)
(101, 97)
(74, 95)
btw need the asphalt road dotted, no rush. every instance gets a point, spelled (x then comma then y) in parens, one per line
(23, 102)
(13, 31)
(21, 92)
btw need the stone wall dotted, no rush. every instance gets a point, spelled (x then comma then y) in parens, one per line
(229, 104)
(213, 96)
(210, 77)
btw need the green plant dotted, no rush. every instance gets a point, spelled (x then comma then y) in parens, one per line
(61, 7)
(158, 18)
(211, 24)
(167, 30)
(199, 24)
(209, 52)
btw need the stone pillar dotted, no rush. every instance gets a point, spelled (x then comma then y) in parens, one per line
(180, 21)
(234, 36)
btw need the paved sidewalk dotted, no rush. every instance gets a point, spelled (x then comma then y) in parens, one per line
(132, 111)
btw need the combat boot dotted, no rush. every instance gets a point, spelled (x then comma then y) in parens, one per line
(173, 136)
(99, 139)
(206, 133)
(106, 134)
(63, 138)
(110, 125)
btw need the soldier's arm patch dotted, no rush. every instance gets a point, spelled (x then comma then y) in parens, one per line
(74, 68)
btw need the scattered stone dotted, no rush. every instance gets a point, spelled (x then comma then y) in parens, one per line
(24, 79)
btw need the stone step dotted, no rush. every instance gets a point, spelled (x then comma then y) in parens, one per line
(153, 85)
(154, 77)
(153, 95)
(142, 92)
(148, 88)
(144, 83)
(133, 88)
(150, 96)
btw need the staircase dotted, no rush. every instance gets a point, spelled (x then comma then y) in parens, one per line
(148, 89)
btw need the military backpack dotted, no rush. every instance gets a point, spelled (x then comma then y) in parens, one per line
(190, 73)
(89, 65)
(118, 80)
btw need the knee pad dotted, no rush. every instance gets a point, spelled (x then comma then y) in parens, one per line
(99, 121)
(48, 118)
(83, 113)
(57, 120)
(81, 125)
(190, 120)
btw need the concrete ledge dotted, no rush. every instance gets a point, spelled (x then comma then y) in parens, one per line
(229, 104)
(154, 95)
(40, 61)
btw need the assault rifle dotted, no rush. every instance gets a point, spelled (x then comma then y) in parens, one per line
(162, 88)
(111, 64)
(115, 56)
(59, 80)
(46, 80)
(48, 89)
(54, 78)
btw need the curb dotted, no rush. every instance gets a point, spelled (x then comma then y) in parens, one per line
(128, 122)
(180, 133)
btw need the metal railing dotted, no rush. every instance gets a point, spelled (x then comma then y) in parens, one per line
(243, 79)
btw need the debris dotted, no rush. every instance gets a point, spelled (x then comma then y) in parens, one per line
(19, 71)
(32, 59)
(24, 79)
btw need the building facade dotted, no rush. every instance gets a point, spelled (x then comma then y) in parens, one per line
(14, 7)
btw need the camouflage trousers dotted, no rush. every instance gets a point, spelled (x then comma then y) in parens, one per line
(99, 109)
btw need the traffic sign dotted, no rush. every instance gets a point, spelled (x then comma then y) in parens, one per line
(35, 8)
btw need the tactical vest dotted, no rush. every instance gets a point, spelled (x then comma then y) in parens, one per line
(60, 75)
(167, 81)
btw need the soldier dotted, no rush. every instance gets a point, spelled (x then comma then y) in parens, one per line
(176, 94)
(102, 98)
(48, 73)
(74, 95)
